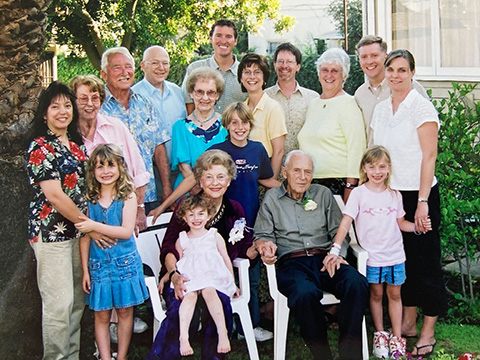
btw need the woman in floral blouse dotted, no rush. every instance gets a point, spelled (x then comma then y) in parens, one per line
(56, 172)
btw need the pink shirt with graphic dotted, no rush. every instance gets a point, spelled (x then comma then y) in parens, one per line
(375, 216)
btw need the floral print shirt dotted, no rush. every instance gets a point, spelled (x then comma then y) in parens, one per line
(49, 159)
(146, 125)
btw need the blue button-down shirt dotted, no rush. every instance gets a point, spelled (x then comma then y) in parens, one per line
(146, 125)
(170, 103)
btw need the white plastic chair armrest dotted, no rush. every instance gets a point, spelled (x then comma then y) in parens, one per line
(243, 277)
(158, 311)
(362, 256)
(272, 281)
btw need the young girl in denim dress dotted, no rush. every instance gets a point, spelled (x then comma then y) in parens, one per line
(112, 276)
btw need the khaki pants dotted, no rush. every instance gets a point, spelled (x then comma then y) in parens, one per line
(59, 278)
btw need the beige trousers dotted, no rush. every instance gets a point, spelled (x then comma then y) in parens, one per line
(59, 278)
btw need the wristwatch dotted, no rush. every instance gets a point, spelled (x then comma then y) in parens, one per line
(420, 199)
(350, 185)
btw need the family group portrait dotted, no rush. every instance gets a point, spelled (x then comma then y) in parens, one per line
(268, 180)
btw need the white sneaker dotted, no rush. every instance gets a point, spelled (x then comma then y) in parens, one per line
(113, 333)
(139, 326)
(262, 334)
(380, 344)
(398, 346)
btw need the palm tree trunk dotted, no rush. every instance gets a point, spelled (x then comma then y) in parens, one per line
(22, 42)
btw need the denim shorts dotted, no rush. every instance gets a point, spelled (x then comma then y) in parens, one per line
(392, 275)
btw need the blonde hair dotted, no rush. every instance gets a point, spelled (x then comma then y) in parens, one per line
(191, 202)
(243, 112)
(372, 155)
(108, 154)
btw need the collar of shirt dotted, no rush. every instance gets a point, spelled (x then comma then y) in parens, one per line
(152, 89)
(261, 104)
(233, 68)
(109, 97)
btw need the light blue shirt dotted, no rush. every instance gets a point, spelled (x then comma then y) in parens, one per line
(170, 103)
(146, 125)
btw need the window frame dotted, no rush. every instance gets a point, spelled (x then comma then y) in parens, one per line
(377, 16)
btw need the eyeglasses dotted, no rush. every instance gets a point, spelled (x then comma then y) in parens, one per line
(288, 62)
(95, 99)
(332, 71)
(221, 178)
(255, 73)
(212, 94)
(156, 64)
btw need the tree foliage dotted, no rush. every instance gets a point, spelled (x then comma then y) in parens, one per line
(181, 26)
(354, 20)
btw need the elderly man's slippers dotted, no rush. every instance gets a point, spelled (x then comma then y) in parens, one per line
(427, 354)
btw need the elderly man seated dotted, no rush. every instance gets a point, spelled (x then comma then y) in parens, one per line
(296, 224)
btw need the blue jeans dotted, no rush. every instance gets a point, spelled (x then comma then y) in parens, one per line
(302, 282)
(167, 344)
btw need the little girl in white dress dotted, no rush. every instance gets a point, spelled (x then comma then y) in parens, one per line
(204, 261)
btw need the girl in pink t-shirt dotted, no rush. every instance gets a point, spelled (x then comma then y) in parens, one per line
(379, 219)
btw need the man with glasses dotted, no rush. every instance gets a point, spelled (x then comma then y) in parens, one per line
(223, 37)
(287, 61)
(165, 96)
(142, 119)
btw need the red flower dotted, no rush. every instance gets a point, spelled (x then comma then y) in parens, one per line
(49, 148)
(45, 211)
(36, 157)
(79, 154)
(70, 181)
(40, 140)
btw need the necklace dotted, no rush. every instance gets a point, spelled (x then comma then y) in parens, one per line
(217, 216)
(201, 122)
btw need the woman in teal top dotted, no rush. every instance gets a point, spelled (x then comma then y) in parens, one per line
(202, 128)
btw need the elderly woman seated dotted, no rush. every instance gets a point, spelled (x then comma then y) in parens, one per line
(214, 170)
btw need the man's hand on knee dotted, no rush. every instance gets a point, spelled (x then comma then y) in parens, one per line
(332, 263)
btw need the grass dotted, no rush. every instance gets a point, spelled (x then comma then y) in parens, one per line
(452, 341)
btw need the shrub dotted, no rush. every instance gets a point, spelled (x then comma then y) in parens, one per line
(458, 170)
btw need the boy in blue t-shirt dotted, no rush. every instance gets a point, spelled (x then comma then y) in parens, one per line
(250, 157)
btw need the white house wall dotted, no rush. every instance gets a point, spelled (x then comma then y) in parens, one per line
(312, 21)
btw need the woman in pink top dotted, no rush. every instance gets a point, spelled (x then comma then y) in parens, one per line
(99, 129)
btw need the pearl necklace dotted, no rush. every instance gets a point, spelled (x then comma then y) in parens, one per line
(201, 122)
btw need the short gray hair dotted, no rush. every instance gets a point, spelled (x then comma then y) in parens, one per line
(115, 50)
(298, 152)
(337, 56)
(205, 73)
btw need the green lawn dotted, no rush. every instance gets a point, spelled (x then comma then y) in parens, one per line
(452, 341)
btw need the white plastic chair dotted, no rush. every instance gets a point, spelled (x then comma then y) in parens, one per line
(281, 310)
(148, 245)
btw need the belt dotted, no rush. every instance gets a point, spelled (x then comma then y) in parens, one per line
(302, 253)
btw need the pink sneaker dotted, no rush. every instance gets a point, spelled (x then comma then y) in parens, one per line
(380, 344)
(397, 346)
